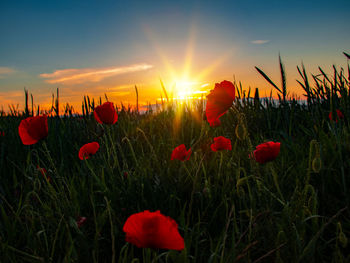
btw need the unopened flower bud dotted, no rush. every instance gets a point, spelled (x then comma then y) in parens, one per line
(343, 239)
(316, 164)
(241, 131)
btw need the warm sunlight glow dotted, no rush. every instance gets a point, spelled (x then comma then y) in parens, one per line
(185, 88)
(180, 82)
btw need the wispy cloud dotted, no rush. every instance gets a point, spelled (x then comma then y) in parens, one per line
(4, 71)
(259, 42)
(75, 76)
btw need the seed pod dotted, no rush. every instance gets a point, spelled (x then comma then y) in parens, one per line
(343, 240)
(240, 173)
(241, 128)
(316, 164)
(241, 131)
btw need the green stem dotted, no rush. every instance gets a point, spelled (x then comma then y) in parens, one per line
(275, 180)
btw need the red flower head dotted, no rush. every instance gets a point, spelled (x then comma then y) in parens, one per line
(219, 101)
(339, 113)
(33, 129)
(221, 143)
(180, 153)
(81, 221)
(106, 113)
(267, 152)
(88, 149)
(153, 230)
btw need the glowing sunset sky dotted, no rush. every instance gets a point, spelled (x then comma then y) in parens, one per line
(96, 47)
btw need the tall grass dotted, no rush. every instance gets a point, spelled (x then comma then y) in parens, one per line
(229, 208)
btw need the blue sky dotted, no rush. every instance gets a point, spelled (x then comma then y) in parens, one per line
(109, 46)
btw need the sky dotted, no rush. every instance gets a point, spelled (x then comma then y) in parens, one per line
(107, 47)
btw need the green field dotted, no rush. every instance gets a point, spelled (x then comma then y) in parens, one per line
(228, 207)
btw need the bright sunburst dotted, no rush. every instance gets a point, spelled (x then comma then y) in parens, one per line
(183, 84)
(187, 89)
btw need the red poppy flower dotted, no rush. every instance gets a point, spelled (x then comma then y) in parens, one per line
(81, 221)
(219, 101)
(180, 153)
(33, 129)
(88, 149)
(153, 230)
(221, 143)
(267, 152)
(339, 113)
(106, 113)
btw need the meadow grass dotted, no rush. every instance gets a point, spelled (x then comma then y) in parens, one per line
(228, 207)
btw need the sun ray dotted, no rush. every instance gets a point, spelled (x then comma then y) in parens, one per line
(189, 53)
(181, 83)
(206, 71)
(152, 38)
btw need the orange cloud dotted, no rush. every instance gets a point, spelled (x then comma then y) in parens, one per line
(75, 76)
(259, 42)
(6, 71)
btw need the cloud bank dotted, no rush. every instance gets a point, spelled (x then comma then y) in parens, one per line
(259, 42)
(4, 71)
(76, 76)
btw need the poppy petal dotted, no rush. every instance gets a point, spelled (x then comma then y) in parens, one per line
(219, 101)
(180, 153)
(88, 149)
(153, 230)
(33, 129)
(267, 152)
(106, 113)
(221, 143)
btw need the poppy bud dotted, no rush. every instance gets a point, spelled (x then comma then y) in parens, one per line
(343, 239)
(241, 132)
(341, 236)
(241, 129)
(240, 173)
(316, 164)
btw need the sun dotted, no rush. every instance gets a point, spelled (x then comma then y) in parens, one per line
(185, 87)
(182, 83)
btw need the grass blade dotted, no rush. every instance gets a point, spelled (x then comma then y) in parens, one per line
(268, 79)
(283, 77)
(347, 55)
